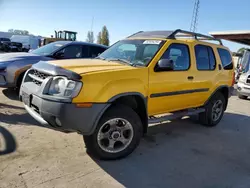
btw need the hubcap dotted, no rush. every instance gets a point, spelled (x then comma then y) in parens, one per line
(217, 110)
(115, 135)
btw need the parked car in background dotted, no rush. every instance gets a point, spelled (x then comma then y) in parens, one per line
(14, 65)
(15, 47)
(243, 85)
(4, 44)
(28, 41)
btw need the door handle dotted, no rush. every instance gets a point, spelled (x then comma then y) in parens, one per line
(190, 77)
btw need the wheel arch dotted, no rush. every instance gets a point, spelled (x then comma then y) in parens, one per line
(135, 100)
(224, 89)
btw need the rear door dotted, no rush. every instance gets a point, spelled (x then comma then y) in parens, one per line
(207, 72)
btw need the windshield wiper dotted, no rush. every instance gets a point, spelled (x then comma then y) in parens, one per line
(122, 60)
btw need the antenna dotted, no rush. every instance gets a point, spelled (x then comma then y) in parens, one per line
(194, 21)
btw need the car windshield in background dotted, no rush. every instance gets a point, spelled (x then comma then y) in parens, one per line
(245, 61)
(49, 48)
(134, 52)
(5, 39)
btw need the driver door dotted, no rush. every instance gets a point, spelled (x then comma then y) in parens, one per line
(172, 90)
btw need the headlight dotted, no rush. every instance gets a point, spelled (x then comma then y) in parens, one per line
(242, 78)
(61, 86)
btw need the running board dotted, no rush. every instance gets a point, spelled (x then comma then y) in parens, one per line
(175, 115)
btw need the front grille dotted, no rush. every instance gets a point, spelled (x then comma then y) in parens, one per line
(37, 77)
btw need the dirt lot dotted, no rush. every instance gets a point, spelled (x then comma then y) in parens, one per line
(177, 154)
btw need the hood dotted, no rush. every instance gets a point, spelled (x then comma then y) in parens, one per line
(82, 66)
(10, 57)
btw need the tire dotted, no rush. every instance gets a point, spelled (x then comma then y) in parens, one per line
(95, 147)
(19, 82)
(206, 118)
(242, 96)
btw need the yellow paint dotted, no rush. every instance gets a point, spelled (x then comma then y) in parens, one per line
(103, 80)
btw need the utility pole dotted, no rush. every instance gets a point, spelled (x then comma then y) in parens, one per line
(194, 21)
(92, 22)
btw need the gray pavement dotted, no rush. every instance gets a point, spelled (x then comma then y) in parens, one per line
(177, 154)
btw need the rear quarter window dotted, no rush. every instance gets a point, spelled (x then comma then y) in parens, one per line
(226, 59)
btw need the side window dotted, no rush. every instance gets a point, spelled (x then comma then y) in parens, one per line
(225, 58)
(205, 59)
(85, 51)
(70, 52)
(95, 51)
(212, 61)
(179, 53)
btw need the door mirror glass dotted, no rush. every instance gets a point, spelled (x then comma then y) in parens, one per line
(164, 65)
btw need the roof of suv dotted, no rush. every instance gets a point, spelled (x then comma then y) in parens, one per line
(173, 35)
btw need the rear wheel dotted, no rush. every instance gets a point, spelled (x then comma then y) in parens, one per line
(214, 110)
(242, 96)
(117, 134)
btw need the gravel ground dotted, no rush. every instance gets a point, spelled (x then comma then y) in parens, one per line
(177, 154)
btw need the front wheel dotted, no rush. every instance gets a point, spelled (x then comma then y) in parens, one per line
(117, 134)
(214, 110)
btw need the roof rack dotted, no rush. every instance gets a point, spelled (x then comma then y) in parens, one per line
(134, 34)
(193, 34)
(173, 35)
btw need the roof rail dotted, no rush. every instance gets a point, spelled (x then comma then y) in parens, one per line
(193, 34)
(134, 34)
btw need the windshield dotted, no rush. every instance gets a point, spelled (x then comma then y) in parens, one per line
(48, 49)
(134, 52)
(245, 61)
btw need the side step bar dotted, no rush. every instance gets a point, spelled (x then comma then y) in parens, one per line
(175, 115)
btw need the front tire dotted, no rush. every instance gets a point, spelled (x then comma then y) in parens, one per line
(214, 111)
(117, 134)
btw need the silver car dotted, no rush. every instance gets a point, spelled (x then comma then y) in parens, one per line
(14, 65)
(243, 85)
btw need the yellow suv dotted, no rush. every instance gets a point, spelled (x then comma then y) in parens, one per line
(147, 78)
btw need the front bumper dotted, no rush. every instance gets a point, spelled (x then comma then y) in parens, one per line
(70, 117)
(3, 81)
(243, 89)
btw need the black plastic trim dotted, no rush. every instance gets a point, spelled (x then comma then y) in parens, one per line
(165, 94)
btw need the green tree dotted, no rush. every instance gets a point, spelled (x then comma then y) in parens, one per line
(105, 36)
(18, 31)
(99, 38)
(90, 37)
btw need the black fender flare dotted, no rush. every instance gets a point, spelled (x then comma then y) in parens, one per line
(112, 99)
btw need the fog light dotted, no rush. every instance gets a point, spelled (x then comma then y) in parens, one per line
(58, 122)
(239, 88)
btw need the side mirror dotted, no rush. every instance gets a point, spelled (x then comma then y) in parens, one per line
(164, 65)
